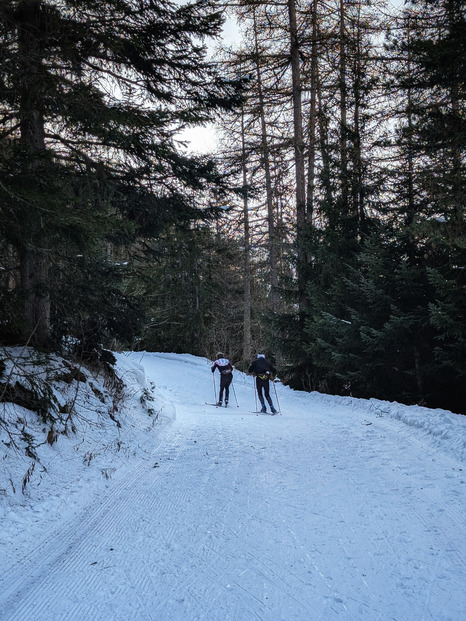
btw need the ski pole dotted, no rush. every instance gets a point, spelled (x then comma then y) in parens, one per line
(255, 391)
(234, 392)
(276, 396)
(215, 390)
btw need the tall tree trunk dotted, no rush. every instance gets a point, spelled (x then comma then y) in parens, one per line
(324, 147)
(34, 257)
(247, 345)
(343, 113)
(458, 203)
(312, 121)
(298, 150)
(268, 176)
(357, 186)
(410, 196)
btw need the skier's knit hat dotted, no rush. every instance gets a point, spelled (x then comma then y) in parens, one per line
(261, 355)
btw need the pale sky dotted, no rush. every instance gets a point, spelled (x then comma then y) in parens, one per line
(203, 139)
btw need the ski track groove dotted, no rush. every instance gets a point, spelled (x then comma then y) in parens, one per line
(70, 554)
(209, 555)
(445, 533)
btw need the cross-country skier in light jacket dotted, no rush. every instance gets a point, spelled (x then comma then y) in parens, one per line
(225, 369)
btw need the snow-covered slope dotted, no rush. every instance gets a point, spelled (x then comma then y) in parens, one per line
(337, 509)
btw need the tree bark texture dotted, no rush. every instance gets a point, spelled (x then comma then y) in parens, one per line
(268, 176)
(247, 345)
(34, 257)
(298, 148)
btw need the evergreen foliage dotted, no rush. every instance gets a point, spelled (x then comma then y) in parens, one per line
(107, 230)
(382, 252)
(193, 294)
(402, 335)
(92, 97)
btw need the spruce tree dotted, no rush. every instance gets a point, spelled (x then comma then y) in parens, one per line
(434, 135)
(93, 95)
(193, 293)
(405, 331)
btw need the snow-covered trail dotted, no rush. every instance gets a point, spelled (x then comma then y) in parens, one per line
(328, 513)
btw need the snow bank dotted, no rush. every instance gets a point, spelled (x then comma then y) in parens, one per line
(442, 429)
(50, 463)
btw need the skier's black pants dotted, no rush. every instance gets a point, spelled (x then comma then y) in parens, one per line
(263, 385)
(225, 381)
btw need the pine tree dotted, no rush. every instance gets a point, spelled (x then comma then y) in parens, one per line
(344, 127)
(193, 293)
(433, 139)
(92, 97)
(404, 334)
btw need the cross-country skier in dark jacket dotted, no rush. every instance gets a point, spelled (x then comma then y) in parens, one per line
(225, 369)
(264, 372)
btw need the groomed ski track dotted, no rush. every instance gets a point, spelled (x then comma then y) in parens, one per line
(325, 513)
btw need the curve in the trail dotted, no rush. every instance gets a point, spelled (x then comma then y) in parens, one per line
(319, 514)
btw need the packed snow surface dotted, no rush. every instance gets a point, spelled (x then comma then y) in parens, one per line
(336, 509)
